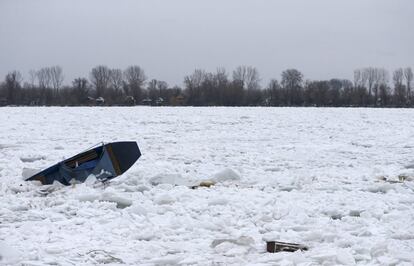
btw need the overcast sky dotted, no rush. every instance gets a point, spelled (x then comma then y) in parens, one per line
(170, 38)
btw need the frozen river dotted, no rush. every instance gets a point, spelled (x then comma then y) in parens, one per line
(327, 178)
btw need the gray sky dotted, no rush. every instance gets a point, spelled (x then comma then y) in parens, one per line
(170, 38)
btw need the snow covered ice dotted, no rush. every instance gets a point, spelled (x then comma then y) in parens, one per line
(337, 180)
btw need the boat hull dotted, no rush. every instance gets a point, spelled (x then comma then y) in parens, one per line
(104, 162)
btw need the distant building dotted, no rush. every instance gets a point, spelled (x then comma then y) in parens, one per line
(91, 100)
(146, 101)
(100, 101)
(178, 100)
(159, 101)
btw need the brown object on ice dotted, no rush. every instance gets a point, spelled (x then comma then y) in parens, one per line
(276, 246)
(205, 183)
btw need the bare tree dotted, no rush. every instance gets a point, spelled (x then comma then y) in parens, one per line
(317, 92)
(398, 77)
(100, 77)
(56, 77)
(408, 74)
(12, 84)
(380, 76)
(368, 75)
(292, 78)
(221, 77)
(32, 78)
(152, 84)
(135, 79)
(162, 86)
(399, 92)
(275, 95)
(358, 81)
(383, 76)
(346, 94)
(193, 85)
(158, 91)
(117, 79)
(152, 90)
(221, 84)
(384, 94)
(44, 78)
(248, 76)
(196, 79)
(81, 89)
(292, 82)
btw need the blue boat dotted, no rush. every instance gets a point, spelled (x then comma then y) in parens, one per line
(105, 162)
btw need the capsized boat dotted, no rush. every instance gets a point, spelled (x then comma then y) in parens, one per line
(105, 162)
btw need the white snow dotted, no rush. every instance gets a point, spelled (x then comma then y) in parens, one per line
(339, 181)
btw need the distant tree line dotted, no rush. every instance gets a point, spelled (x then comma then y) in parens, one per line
(374, 87)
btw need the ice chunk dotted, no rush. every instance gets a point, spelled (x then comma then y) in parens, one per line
(385, 260)
(242, 240)
(88, 197)
(355, 213)
(344, 256)
(315, 235)
(164, 199)
(172, 179)
(298, 258)
(383, 188)
(30, 159)
(226, 175)
(142, 188)
(164, 179)
(8, 255)
(104, 257)
(218, 201)
(335, 214)
(29, 172)
(138, 209)
(379, 249)
(90, 180)
(325, 256)
(167, 260)
(121, 202)
(403, 255)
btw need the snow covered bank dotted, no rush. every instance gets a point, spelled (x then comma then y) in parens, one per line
(337, 180)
